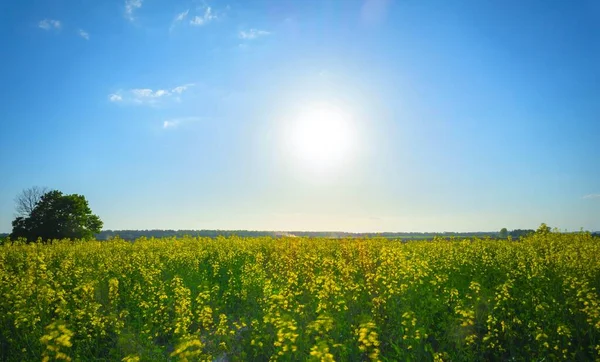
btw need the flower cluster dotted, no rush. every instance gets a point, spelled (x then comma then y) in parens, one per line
(293, 298)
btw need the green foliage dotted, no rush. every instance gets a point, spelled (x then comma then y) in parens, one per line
(543, 229)
(503, 233)
(296, 299)
(58, 216)
(519, 233)
(136, 234)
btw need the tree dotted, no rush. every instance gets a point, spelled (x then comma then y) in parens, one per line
(543, 229)
(58, 216)
(519, 233)
(27, 200)
(503, 233)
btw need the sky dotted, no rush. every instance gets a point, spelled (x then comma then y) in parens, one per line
(348, 115)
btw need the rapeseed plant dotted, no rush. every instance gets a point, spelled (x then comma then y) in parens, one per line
(299, 298)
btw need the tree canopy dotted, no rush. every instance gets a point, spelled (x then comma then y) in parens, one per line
(58, 216)
(503, 233)
(544, 229)
(28, 198)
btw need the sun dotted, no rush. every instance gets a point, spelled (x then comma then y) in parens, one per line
(322, 138)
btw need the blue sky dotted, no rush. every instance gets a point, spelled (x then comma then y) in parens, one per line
(462, 115)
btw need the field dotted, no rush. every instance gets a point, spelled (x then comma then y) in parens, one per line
(261, 299)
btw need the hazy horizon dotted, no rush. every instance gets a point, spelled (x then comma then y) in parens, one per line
(356, 116)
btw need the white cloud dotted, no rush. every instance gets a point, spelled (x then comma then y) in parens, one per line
(161, 92)
(182, 16)
(48, 24)
(130, 7)
(176, 122)
(207, 17)
(179, 18)
(591, 196)
(148, 96)
(115, 97)
(143, 94)
(252, 34)
(170, 124)
(182, 88)
(84, 34)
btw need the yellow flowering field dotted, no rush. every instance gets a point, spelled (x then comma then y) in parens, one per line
(296, 299)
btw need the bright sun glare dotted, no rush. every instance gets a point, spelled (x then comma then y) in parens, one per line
(322, 138)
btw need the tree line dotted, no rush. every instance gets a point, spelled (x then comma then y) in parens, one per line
(157, 233)
(44, 214)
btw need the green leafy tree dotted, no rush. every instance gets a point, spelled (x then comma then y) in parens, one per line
(503, 233)
(58, 216)
(544, 229)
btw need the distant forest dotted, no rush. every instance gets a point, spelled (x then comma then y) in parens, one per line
(135, 234)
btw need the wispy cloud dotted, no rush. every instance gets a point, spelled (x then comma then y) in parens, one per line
(591, 196)
(182, 88)
(48, 24)
(179, 18)
(84, 34)
(140, 93)
(176, 122)
(147, 96)
(130, 7)
(170, 124)
(115, 97)
(182, 16)
(252, 34)
(205, 18)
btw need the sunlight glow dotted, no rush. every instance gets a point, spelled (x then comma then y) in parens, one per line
(321, 139)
